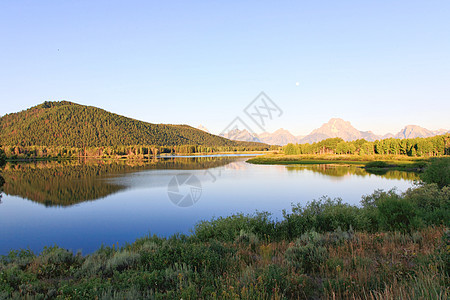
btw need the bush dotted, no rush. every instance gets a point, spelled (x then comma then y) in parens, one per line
(249, 239)
(121, 261)
(93, 264)
(229, 228)
(21, 258)
(274, 279)
(438, 171)
(56, 261)
(338, 236)
(432, 202)
(397, 214)
(307, 259)
(325, 215)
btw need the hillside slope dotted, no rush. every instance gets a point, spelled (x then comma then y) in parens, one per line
(69, 124)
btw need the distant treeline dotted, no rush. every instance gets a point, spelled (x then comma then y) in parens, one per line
(136, 151)
(431, 146)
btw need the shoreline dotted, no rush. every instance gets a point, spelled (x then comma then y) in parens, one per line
(136, 157)
(371, 163)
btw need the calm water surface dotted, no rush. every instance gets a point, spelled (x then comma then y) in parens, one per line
(81, 205)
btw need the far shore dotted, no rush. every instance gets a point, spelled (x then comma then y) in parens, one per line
(372, 163)
(133, 157)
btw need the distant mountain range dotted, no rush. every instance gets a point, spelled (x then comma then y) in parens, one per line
(240, 135)
(335, 127)
(279, 137)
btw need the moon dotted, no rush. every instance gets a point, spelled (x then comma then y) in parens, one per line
(297, 83)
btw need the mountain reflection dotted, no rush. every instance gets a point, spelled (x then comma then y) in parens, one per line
(66, 183)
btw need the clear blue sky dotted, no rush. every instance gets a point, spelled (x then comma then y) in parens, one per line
(379, 64)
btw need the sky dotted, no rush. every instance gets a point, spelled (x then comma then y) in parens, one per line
(379, 64)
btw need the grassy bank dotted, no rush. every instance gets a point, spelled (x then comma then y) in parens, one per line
(372, 163)
(335, 158)
(392, 246)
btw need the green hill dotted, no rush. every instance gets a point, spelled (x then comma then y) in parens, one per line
(67, 124)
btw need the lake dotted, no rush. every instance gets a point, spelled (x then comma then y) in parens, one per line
(80, 205)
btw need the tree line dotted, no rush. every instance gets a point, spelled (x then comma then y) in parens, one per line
(431, 146)
(133, 151)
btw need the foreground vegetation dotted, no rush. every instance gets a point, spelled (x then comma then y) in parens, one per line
(338, 264)
(392, 246)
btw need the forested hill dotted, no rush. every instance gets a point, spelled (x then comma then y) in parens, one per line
(69, 124)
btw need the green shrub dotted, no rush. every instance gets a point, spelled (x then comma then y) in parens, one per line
(178, 275)
(307, 259)
(229, 228)
(339, 236)
(311, 237)
(325, 215)
(438, 171)
(21, 258)
(274, 279)
(55, 261)
(249, 239)
(93, 264)
(433, 203)
(397, 214)
(335, 263)
(121, 261)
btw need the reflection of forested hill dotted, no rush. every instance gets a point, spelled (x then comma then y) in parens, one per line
(2, 181)
(70, 182)
(340, 171)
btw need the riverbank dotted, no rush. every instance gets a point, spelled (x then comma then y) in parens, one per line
(134, 157)
(372, 163)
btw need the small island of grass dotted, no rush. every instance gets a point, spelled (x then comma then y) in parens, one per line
(371, 163)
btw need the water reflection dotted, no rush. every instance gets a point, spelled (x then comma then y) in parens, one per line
(340, 171)
(65, 183)
(135, 201)
(2, 182)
